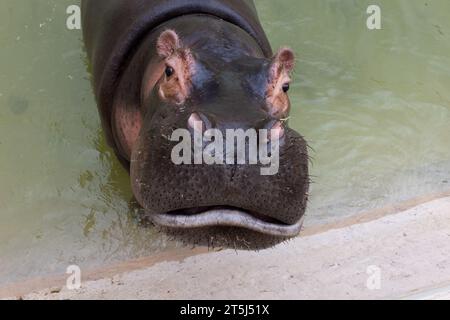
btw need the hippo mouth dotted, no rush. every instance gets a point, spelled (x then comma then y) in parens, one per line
(226, 216)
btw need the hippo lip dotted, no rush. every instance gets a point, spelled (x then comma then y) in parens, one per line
(226, 216)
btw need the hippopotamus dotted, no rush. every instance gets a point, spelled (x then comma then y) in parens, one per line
(162, 65)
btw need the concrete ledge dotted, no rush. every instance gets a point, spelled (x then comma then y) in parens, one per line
(408, 252)
(440, 293)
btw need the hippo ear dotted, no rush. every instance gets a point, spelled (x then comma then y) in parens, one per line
(168, 43)
(283, 61)
(282, 65)
(175, 82)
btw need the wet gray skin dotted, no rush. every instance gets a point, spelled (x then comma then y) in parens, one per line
(220, 205)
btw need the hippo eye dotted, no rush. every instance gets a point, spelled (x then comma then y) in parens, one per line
(169, 71)
(286, 87)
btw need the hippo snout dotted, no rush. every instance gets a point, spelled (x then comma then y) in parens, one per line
(187, 194)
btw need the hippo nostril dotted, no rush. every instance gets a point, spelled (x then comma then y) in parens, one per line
(195, 123)
(199, 122)
(277, 131)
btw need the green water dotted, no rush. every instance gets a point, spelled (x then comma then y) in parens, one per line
(374, 106)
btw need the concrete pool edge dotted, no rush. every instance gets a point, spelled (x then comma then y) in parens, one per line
(374, 214)
(57, 282)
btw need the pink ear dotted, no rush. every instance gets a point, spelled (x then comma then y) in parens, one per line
(284, 59)
(168, 42)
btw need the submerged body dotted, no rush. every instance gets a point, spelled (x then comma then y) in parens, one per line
(159, 66)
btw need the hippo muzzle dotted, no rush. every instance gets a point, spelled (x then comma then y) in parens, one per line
(205, 195)
(197, 109)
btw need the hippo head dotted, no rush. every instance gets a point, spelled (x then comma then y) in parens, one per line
(214, 105)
